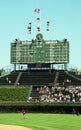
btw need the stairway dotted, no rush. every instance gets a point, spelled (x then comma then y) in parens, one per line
(56, 78)
(18, 77)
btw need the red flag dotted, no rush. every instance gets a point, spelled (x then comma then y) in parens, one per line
(37, 10)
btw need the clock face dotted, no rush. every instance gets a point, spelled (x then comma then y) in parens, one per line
(39, 36)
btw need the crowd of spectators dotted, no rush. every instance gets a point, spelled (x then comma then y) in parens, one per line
(58, 94)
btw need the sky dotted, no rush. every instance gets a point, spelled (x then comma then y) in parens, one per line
(65, 22)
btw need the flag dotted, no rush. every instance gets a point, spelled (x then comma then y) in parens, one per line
(37, 10)
(38, 29)
(29, 27)
(47, 23)
(38, 19)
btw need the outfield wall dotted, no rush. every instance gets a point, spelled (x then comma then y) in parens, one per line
(39, 108)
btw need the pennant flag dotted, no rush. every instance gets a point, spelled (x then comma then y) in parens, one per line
(38, 24)
(37, 10)
(30, 23)
(38, 29)
(29, 27)
(47, 30)
(38, 19)
(47, 24)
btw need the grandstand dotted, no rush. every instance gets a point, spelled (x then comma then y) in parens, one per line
(39, 57)
(40, 77)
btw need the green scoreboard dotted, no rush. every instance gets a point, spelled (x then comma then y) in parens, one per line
(39, 50)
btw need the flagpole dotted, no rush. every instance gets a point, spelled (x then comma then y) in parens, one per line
(39, 23)
(40, 19)
(37, 10)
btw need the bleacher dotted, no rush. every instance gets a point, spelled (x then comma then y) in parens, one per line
(55, 94)
(40, 77)
(34, 93)
(65, 75)
(9, 79)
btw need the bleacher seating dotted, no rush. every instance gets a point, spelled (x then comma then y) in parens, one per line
(9, 79)
(72, 79)
(55, 94)
(37, 77)
(40, 77)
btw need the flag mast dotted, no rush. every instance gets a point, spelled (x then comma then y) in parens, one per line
(38, 11)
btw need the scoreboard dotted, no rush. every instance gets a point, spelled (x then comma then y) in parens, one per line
(39, 50)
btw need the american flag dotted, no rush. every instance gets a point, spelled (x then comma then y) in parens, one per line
(37, 10)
